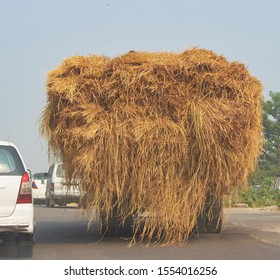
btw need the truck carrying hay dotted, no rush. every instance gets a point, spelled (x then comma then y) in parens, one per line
(156, 139)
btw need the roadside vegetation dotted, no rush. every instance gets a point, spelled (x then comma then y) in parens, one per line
(261, 192)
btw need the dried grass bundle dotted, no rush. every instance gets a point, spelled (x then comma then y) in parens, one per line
(154, 133)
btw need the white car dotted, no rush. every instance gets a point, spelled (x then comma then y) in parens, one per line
(39, 183)
(16, 203)
(57, 190)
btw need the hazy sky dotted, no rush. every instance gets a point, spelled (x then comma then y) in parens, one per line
(37, 35)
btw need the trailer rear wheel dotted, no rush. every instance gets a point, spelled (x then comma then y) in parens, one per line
(213, 219)
(108, 227)
(126, 229)
(210, 220)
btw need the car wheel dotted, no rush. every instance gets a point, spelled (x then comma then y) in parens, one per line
(52, 202)
(108, 227)
(126, 229)
(210, 220)
(200, 226)
(83, 203)
(25, 251)
(213, 218)
(24, 246)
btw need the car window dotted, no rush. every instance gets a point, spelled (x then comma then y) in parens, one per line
(60, 171)
(40, 176)
(10, 162)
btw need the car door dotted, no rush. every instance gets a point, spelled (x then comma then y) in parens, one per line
(59, 180)
(11, 171)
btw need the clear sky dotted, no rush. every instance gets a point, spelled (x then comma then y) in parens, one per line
(37, 35)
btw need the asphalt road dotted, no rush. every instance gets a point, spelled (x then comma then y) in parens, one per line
(248, 234)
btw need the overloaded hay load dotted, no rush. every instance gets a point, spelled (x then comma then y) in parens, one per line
(154, 133)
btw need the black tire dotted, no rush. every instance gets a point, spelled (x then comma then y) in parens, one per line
(25, 246)
(25, 251)
(210, 220)
(126, 229)
(108, 227)
(82, 204)
(213, 218)
(52, 202)
(200, 227)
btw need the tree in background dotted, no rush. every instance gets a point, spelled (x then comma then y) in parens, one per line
(270, 158)
(261, 192)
